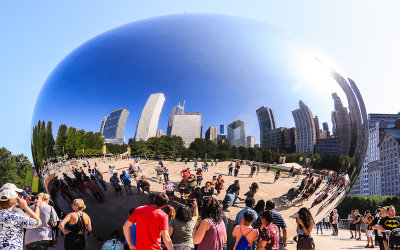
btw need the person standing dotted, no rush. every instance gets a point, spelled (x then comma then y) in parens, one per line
(169, 189)
(166, 174)
(230, 168)
(335, 222)
(368, 220)
(115, 184)
(250, 203)
(350, 218)
(357, 222)
(277, 175)
(253, 170)
(160, 173)
(277, 220)
(195, 165)
(388, 223)
(12, 224)
(237, 167)
(74, 226)
(244, 233)
(211, 232)
(151, 222)
(268, 233)
(199, 176)
(39, 238)
(220, 184)
(305, 224)
(181, 227)
(319, 226)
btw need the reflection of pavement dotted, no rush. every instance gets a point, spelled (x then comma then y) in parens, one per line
(110, 215)
(328, 242)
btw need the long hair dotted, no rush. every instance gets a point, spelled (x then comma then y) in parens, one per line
(305, 216)
(211, 209)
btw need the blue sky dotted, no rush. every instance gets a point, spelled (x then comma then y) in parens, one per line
(361, 35)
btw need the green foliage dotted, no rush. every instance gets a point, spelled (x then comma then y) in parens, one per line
(61, 139)
(13, 168)
(42, 144)
(269, 156)
(243, 152)
(202, 147)
(116, 149)
(234, 153)
(363, 203)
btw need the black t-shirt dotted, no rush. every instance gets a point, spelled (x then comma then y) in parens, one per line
(355, 218)
(369, 226)
(390, 223)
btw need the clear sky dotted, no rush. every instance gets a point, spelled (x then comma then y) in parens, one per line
(363, 36)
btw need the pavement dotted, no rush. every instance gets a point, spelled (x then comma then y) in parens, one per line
(110, 215)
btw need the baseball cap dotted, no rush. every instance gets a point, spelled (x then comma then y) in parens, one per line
(8, 194)
(11, 186)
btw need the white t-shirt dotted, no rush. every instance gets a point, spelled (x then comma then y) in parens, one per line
(136, 166)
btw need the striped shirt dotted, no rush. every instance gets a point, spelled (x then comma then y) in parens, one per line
(277, 221)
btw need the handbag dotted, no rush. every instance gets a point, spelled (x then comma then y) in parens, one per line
(305, 243)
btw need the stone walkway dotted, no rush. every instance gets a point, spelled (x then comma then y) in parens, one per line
(111, 214)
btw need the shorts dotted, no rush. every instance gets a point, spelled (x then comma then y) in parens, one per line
(370, 233)
(353, 227)
(358, 227)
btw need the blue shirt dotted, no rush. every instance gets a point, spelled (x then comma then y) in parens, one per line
(239, 216)
(133, 234)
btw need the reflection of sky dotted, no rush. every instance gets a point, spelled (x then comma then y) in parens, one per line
(224, 67)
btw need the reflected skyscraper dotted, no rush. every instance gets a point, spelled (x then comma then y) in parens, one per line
(103, 124)
(148, 123)
(317, 131)
(115, 126)
(177, 110)
(222, 129)
(212, 134)
(266, 121)
(187, 126)
(237, 133)
(325, 128)
(250, 141)
(305, 129)
(342, 124)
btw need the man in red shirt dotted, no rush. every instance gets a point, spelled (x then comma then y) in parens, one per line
(151, 222)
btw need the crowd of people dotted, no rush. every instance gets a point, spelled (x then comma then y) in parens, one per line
(185, 216)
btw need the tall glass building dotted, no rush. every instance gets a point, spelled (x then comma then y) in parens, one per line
(237, 133)
(177, 110)
(305, 129)
(115, 126)
(148, 123)
(266, 122)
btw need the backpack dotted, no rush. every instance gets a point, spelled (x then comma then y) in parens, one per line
(112, 245)
(394, 238)
(243, 243)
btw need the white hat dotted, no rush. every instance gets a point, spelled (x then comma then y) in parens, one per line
(10, 186)
(9, 194)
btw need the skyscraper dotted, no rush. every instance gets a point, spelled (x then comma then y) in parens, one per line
(187, 126)
(222, 129)
(305, 129)
(266, 122)
(114, 126)
(159, 133)
(342, 124)
(103, 124)
(148, 123)
(237, 133)
(317, 132)
(178, 110)
(250, 141)
(325, 127)
(212, 134)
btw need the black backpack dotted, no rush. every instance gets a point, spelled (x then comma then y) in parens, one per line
(394, 239)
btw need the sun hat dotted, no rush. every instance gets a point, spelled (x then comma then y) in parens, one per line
(8, 194)
(11, 186)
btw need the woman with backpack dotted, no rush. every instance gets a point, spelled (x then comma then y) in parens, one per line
(245, 234)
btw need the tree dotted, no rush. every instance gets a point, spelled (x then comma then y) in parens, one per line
(61, 139)
(13, 168)
(234, 153)
(244, 153)
(70, 145)
(49, 141)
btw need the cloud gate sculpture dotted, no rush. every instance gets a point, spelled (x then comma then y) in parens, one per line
(242, 84)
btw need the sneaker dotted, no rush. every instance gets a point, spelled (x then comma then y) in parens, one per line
(367, 246)
(352, 237)
(359, 239)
